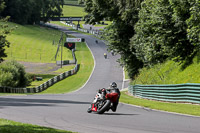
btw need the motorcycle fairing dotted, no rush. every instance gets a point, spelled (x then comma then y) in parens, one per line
(94, 108)
(112, 96)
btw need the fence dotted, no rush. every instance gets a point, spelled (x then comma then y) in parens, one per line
(97, 33)
(189, 92)
(43, 86)
(47, 84)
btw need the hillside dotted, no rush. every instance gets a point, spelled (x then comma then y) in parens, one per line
(170, 72)
(73, 11)
(34, 44)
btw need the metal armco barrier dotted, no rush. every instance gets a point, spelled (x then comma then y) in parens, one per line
(189, 92)
(51, 81)
(43, 86)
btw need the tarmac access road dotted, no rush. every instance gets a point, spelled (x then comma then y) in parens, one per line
(69, 111)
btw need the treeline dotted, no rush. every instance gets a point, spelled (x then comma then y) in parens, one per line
(147, 32)
(31, 11)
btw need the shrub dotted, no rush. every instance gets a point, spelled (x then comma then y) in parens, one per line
(13, 74)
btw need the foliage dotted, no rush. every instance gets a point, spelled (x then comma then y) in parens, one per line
(161, 31)
(193, 24)
(124, 14)
(13, 74)
(4, 31)
(31, 11)
(80, 2)
(154, 36)
(3, 41)
(167, 29)
(169, 72)
(158, 30)
(119, 42)
(2, 5)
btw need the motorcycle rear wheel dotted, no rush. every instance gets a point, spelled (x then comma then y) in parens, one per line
(105, 107)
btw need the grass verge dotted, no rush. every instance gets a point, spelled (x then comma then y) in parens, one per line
(190, 109)
(46, 77)
(7, 126)
(85, 59)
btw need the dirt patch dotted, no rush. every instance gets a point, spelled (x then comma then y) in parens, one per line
(40, 68)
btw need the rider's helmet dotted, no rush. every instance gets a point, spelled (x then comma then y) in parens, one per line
(113, 85)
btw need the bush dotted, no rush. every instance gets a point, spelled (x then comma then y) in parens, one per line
(13, 74)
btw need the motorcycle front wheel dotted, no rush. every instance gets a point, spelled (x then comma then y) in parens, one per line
(103, 107)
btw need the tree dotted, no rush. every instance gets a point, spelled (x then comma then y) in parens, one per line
(193, 31)
(124, 14)
(4, 31)
(2, 5)
(51, 8)
(31, 11)
(154, 39)
(183, 47)
(161, 32)
(13, 74)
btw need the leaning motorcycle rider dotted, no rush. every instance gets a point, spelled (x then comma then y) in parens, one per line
(112, 89)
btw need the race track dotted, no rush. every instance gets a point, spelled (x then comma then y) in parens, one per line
(69, 111)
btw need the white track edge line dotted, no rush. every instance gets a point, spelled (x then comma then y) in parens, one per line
(161, 110)
(90, 74)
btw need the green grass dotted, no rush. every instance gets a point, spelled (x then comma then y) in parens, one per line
(73, 11)
(31, 39)
(46, 77)
(189, 109)
(77, 11)
(72, 2)
(7, 126)
(59, 23)
(64, 69)
(169, 72)
(101, 25)
(34, 44)
(74, 82)
(126, 75)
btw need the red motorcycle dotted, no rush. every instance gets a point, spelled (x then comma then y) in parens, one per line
(103, 102)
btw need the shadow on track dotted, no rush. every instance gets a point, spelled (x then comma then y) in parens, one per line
(35, 102)
(118, 114)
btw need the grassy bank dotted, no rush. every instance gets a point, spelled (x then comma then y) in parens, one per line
(170, 72)
(190, 109)
(34, 44)
(74, 82)
(7, 126)
(73, 11)
(46, 77)
(72, 2)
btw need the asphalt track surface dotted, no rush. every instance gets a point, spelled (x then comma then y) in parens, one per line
(69, 111)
